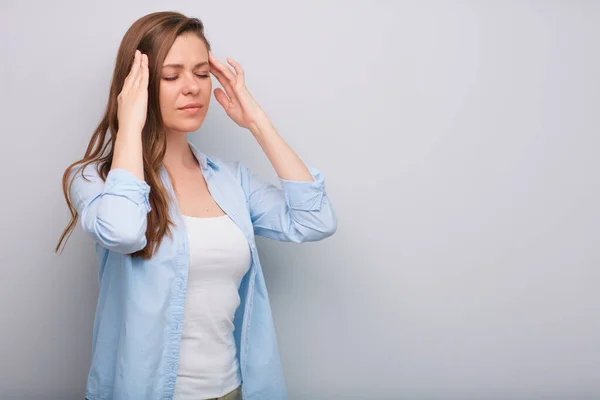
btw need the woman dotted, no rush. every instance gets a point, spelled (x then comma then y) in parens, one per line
(183, 311)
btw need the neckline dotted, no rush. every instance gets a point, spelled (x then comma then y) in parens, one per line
(204, 218)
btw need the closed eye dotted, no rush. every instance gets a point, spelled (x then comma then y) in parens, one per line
(172, 78)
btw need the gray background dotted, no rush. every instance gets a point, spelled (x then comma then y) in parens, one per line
(459, 140)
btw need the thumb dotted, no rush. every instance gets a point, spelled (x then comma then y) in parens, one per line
(222, 98)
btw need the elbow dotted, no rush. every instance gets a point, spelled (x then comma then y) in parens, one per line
(330, 227)
(328, 220)
(128, 243)
(122, 238)
(317, 230)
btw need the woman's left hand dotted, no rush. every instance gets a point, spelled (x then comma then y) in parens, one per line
(239, 105)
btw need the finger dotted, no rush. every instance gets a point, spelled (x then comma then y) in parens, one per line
(130, 79)
(224, 82)
(222, 68)
(134, 67)
(222, 98)
(140, 74)
(145, 72)
(238, 69)
(223, 74)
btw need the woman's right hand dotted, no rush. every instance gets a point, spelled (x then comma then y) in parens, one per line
(133, 99)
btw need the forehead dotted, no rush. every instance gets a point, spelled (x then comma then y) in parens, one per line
(188, 48)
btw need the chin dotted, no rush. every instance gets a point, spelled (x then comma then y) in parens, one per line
(187, 125)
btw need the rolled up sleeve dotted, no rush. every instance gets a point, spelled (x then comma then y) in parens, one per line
(305, 196)
(120, 182)
(113, 212)
(299, 211)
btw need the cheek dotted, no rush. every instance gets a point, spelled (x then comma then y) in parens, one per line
(166, 96)
(207, 87)
(167, 100)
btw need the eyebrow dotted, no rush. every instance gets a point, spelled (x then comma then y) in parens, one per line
(180, 66)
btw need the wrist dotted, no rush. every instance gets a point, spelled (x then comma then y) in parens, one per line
(130, 132)
(262, 125)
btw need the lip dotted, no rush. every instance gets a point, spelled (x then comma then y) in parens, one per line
(192, 108)
(191, 105)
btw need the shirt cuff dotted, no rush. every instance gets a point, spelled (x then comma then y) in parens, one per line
(120, 182)
(302, 195)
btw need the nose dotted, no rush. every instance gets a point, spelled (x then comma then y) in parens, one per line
(190, 84)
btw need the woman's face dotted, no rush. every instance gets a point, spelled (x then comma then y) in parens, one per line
(185, 85)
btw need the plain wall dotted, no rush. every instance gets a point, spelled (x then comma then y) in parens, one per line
(459, 140)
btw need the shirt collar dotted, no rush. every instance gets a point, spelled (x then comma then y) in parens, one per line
(203, 158)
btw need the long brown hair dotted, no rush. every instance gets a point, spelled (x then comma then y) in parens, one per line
(153, 34)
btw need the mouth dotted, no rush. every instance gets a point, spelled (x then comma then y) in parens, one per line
(191, 109)
(191, 105)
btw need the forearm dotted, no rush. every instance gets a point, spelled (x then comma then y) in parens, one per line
(285, 161)
(127, 153)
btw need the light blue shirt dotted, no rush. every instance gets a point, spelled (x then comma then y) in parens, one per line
(139, 315)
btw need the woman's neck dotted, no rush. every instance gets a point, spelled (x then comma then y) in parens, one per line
(178, 154)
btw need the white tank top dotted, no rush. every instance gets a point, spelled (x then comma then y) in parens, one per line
(219, 259)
